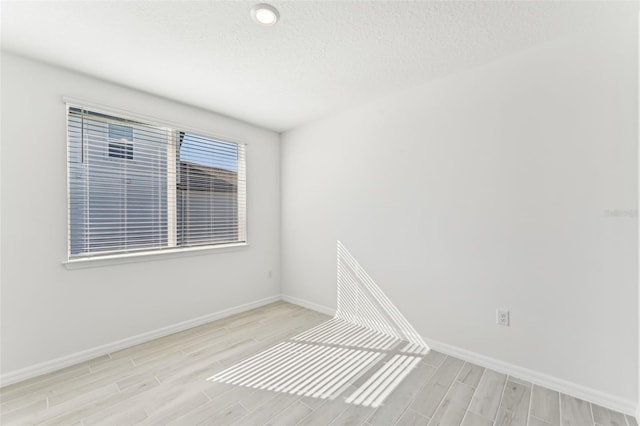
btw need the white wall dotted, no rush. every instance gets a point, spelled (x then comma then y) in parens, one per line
(49, 311)
(511, 185)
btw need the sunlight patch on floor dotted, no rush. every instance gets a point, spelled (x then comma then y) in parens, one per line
(368, 344)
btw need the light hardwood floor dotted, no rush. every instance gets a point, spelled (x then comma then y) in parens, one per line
(165, 382)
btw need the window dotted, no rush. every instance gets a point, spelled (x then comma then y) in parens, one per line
(120, 141)
(140, 187)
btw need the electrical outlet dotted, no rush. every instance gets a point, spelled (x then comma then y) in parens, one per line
(502, 317)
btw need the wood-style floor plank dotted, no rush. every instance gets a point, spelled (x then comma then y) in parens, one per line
(41, 382)
(605, 417)
(175, 408)
(104, 403)
(353, 415)
(412, 418)
(270, 409)
(130, 416)
(292, 415)
(488, 395)
(454, 405)
(41, 386)
(399, 400)
(514, 407)
(212, 413)
(327, 412)
(575, 412)
(434, 358)
(470, 374)
(472, 419)
(534, 421)
(41, 416)
(19, 413)
(545, 405)
(428, 398)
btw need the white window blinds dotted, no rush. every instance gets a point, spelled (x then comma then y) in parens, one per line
(135, 186)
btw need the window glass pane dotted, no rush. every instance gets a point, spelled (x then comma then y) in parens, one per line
(120, 141)
(119, 132)
(115, 205)
(207, 190)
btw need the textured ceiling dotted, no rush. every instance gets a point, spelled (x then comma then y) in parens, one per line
(321, 57)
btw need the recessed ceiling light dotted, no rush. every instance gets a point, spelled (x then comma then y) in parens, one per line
(265, 14)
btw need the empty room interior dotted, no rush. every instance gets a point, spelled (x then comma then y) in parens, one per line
(370, 213)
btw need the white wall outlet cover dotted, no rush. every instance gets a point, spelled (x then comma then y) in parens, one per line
(502, 317)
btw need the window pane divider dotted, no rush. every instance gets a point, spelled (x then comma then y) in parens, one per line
(172, 220)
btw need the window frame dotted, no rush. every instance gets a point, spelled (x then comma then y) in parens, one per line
(107, 258)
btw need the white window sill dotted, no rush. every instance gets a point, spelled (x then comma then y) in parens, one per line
(146, 256)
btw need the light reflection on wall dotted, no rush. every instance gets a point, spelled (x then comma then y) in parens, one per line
(361, 301)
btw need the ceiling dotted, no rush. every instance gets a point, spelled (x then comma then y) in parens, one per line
(321, 57)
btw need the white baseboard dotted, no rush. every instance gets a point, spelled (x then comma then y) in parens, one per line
(68, 360)
(310, 305)
(604, 399)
